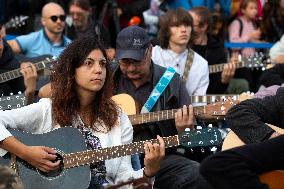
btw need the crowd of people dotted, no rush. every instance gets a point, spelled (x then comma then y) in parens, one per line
(169, 55)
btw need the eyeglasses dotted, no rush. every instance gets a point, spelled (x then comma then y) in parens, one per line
(54, 18)
(128, 61)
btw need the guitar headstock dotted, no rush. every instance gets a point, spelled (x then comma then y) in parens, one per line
(258, 60)
(16, 22)
(49, 62)
(12, 102)
(204, 137)
(215, 110)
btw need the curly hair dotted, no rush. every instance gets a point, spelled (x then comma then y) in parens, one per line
(174, 17)
(65, 100)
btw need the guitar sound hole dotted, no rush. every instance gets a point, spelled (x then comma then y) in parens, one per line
(57, 172)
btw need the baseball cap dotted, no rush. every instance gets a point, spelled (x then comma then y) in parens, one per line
(132, 42)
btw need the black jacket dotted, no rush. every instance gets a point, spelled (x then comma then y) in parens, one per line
(273, 76)
(248, 118)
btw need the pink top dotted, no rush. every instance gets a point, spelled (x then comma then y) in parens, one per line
(234, 35)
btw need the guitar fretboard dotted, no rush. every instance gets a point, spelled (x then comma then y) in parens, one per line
(91, 156)
(211, 98)
(219, 67)
(13, 74)
(161, 115)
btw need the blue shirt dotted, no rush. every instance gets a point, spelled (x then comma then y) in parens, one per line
(37, 43)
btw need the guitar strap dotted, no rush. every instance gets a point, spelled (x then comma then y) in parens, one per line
(158, 90)
(188, 64)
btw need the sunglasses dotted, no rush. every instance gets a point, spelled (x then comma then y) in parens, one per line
(54, 18)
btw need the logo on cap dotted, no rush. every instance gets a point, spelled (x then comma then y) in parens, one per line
(137, 42)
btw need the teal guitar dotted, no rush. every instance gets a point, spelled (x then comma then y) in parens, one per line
(12, 101)
(74, 171)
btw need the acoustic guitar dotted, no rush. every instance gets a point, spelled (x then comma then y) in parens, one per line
(258, 60)
(214, 111)
(74, 172)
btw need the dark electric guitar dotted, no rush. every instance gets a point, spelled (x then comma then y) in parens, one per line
(47, 63)
(74, 172)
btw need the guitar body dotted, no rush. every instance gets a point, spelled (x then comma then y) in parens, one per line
(70, 145)
(64, 140)
(232, 140)
(126, 103)
(274, 179)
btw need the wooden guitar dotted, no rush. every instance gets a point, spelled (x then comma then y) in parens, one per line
(71, 149)
(213, 98)
(215, 111)
(274, 179)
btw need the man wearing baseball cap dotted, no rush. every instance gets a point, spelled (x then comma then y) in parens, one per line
(137, 76)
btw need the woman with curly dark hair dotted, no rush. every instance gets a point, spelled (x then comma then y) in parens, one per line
(81, 98)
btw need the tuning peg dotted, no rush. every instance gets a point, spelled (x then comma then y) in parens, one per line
(210, 125)
(198, 127)
(181, 150)
(19, 92)
(187, 129)
(202, 150)
(11, 94)
(213, 149)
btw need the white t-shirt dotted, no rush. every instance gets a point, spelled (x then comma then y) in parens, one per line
(198, 77)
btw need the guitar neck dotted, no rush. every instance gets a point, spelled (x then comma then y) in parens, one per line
(161, 115)
(13, 74)
(211, 98)
(91, 156)
(219, 67)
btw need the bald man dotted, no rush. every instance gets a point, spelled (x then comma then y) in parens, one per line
(49, 40)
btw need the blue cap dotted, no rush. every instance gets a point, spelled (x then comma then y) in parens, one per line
(132, 42)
